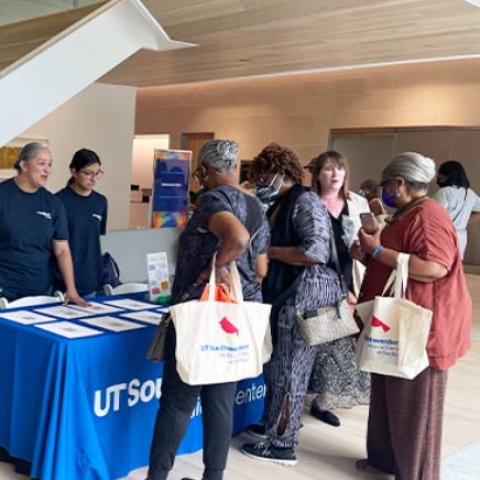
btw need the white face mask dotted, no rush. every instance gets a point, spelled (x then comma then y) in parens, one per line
(267, 194)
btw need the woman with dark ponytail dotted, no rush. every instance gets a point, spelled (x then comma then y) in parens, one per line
(87, 219)
(460, 201)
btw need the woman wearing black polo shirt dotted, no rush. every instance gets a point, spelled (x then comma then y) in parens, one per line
(33, 229)
(87, 220)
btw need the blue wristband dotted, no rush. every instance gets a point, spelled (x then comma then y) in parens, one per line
(377, 251)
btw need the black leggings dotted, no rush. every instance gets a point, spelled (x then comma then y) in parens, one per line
(177, 403)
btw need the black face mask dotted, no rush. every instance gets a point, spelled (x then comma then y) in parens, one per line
(442, 184)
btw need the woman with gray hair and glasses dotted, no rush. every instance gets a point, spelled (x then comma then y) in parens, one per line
(405, 421)
(230, 223)
(33, 229)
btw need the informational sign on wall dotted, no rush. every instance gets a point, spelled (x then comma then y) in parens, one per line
(158, 279)
(170, 188)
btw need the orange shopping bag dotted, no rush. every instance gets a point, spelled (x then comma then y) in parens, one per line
(221, 294)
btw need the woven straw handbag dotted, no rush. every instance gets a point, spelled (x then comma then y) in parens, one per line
(331, 322)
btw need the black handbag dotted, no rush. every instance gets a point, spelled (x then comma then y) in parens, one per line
(156, 349)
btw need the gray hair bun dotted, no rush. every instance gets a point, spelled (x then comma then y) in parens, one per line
(219, 154)
(411, 166)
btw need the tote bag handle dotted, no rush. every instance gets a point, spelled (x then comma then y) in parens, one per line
(235, 283)
(399, 277)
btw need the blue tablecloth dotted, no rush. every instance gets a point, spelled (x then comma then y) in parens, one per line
(85, 408)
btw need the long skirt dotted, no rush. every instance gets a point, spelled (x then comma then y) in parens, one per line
(405, 425)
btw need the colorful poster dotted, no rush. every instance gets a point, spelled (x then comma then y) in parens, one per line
(170, 188)
(158, 281)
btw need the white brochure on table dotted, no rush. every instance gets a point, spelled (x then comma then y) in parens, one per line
(64, 312)
(69, 329)
(113, 324)
(158, 279)
(96, 308)
(146, 316)
(129, 304)
(26, 317)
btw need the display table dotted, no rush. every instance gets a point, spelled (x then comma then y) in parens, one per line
(85, 408)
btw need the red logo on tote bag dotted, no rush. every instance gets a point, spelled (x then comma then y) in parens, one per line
(378, 323)
(227, 326)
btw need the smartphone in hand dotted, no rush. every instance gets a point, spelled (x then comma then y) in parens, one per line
(369, 222)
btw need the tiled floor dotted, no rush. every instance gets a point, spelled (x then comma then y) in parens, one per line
(329, 453)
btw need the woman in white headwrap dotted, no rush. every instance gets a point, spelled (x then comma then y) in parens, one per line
(405, 420)
(228, 222)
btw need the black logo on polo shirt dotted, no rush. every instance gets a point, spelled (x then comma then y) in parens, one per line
(47, 215)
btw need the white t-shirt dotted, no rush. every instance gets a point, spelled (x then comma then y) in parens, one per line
(460, 204)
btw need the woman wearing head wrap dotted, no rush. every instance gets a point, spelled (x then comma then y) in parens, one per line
(460, 201)
(230, 222)
(33, 230)
(405, 421)
(87, 220)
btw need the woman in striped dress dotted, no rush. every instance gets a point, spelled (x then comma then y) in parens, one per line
(298, 280)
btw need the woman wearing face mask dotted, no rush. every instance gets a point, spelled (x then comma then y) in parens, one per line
(33, 229)
(405, 418)
(460, 201)
(87, 220)
(336, 378)
(298, 280)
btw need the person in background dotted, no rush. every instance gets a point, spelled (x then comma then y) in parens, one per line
(229, 222)
(336, 379)
(405, 419)
(309, 166)
(460, 201)
(370, 190)
(33, 230)
(87, 220)
(298, 280)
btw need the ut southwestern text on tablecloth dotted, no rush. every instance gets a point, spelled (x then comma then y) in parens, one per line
(85, 407)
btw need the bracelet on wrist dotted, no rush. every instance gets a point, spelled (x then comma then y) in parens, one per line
(377, 251)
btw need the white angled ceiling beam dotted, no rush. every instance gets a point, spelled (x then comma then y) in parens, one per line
(49, 76)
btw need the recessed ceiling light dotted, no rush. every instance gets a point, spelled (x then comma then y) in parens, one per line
(476, 3)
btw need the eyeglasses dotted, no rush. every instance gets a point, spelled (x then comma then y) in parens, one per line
(89, 174)
(200, 173)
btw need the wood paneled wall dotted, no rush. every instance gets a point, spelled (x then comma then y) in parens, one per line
(299, 111)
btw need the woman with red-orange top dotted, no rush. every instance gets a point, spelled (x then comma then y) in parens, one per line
(405, 421)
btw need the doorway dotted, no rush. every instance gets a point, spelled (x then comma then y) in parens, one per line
(194, 142)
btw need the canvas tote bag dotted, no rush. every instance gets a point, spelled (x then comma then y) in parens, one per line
(220, 342)
(393, 341)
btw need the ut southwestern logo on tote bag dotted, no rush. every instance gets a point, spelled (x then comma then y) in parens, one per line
(220, 342)
(396, 331)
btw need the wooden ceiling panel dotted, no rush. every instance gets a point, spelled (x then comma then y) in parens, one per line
(242, 38)
(268, 37)
(18, 39)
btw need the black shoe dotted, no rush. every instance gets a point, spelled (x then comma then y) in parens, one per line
(257, 430)
(268, 453)
(325, 416)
